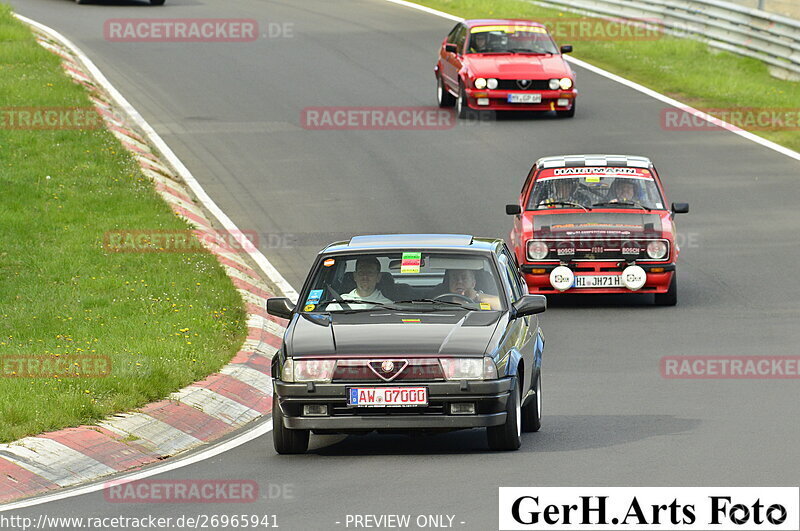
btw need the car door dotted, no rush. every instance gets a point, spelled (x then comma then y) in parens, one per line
(451, 62)
(520, 330)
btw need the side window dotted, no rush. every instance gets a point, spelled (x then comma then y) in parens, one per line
(451, 37)
(461, 37)
(510, 276)
(528, 179)
(517, 284)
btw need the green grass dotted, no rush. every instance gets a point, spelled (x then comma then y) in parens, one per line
(164, 319)
(686, 70)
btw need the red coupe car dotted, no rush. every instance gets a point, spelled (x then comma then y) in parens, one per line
(504, 65)
(596, 224)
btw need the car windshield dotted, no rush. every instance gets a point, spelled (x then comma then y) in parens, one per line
(403, 281)
(511, 39)
(590, 188)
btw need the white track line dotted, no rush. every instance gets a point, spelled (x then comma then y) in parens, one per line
(640, 88)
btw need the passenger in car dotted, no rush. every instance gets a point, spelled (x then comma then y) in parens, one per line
(368, 271)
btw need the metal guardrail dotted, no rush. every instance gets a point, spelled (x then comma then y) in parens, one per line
(771, 38)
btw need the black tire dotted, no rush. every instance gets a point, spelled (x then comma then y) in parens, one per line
(443, 97)
(156, 2)
(532, 413)
(286, 441)
(81, 1)
(670, 298)
(568, 114)
(462, 109)
(508, 436)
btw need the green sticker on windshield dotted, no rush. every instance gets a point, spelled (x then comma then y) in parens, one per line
(410, 263)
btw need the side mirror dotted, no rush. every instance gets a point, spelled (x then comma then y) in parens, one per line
(513, 210)
(280, 307)
(529, 305)
(680, 208)
(567, 48)
(452, 48)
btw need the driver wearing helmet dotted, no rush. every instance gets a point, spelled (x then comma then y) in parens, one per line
(624, 191)
(478, 42)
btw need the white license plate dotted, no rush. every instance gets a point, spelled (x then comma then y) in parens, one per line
(387, 396)
(598, 281)
(524, 98)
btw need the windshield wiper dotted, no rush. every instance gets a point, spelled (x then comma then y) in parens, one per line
(568, 203)
(623, 203)
(528, 50)
(433, 301)
(345, 303)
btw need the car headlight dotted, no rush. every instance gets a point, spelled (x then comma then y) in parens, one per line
(469, 368)
(537, 250)
(657, 250)
(565, 83)
(308, 370)
(554, 84)
(491, 83)
(480, 83)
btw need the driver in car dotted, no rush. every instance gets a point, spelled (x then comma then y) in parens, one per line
(477, 43)
(624, 190)
(463, 282)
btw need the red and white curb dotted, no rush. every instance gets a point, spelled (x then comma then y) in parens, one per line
(204, 411)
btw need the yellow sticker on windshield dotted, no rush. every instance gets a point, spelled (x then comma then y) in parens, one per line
(509, 29)
(486, 306)
(309, 307)
(593, 179)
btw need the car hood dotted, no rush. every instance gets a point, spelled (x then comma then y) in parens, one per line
(592, 224)
(517, 66)
(392, 333)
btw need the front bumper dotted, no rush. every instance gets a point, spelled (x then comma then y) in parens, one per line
(489, 397)
(498, 100)
(539, 283)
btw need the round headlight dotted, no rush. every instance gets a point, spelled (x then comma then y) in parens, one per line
(537, 250)
(480, 83)
(565, 83)
(657, 250)
(554, 84)
(491, 83)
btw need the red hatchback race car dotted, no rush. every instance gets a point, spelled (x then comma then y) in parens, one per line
(504, 65)
(596, 224)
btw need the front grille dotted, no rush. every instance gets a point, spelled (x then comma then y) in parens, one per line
(513, 84)
(606, 249)
(413, 370)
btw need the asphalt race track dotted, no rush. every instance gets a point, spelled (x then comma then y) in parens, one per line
(232, 113)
